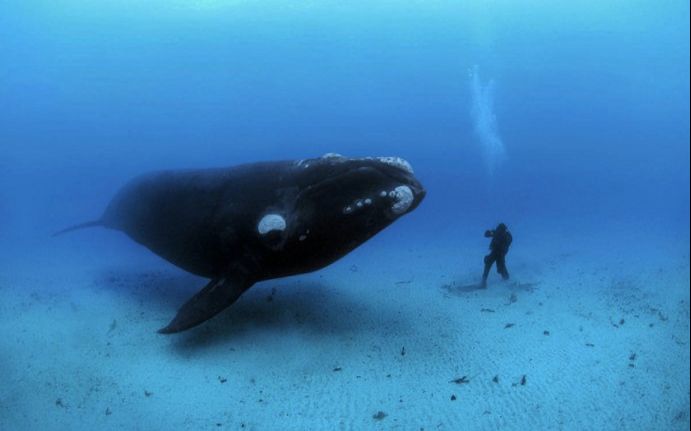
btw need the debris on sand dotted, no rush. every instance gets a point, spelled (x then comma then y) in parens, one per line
(632, 359)
(113, 326)
(460, 380)
(522, 382)
(617, 324)
(379, 415)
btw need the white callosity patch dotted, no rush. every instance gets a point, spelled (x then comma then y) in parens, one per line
(302, 163)
(359, 204)
(332, 156)
(271, 222)
(397, 162)
(306, 163)
(403, 198)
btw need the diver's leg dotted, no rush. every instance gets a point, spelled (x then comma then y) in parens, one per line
(489, 260)
(501, 267)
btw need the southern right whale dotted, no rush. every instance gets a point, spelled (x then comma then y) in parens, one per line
(253, 222)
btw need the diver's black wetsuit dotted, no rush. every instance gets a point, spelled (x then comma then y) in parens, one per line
(501, 241)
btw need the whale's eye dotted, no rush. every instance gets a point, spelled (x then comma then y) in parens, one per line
(403, 198)
(271, 222)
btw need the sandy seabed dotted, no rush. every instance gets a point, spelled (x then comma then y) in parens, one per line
(388, 338)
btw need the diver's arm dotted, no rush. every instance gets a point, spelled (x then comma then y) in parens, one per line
(489, 233)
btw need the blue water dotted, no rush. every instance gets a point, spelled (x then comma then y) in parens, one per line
(569, 121)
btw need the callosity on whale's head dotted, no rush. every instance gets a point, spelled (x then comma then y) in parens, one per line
(342, 203)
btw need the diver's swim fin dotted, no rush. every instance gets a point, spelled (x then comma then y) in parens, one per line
(211, 300)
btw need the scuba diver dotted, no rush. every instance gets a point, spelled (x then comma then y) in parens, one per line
(501, 241)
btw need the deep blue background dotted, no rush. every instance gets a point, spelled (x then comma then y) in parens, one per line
(591, 99)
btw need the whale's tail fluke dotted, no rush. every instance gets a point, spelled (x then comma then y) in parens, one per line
(94, 223)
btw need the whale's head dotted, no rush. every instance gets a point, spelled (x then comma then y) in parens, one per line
(341, 203)
(364, 189)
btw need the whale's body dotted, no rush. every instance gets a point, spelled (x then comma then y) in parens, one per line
(253, 222)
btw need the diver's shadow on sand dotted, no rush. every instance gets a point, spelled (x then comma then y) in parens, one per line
(460, 290)
(465, 289)
(279, 306)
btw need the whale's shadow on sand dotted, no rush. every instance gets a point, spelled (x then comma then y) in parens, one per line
(305, 305)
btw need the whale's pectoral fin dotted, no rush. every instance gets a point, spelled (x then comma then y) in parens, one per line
(211, 300)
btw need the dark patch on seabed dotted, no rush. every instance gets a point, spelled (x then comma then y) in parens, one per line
(456, 289)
